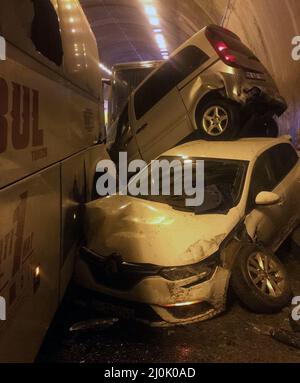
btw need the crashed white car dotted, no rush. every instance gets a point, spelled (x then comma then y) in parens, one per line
(169, 264)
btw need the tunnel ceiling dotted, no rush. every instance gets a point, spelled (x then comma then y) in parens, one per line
(124, 33)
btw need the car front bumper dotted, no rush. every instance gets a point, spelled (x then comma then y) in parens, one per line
(173, 302)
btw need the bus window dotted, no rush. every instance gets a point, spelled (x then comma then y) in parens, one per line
(45, 33)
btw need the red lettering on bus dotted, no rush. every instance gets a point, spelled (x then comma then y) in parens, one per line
(25, 117)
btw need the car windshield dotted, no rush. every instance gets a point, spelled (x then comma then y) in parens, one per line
(125, 82)
(223, 184)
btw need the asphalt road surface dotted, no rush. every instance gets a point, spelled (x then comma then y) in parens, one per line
(236, 336)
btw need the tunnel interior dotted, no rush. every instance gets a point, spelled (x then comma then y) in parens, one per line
(268, 27)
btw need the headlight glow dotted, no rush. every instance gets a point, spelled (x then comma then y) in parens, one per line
(203, 270)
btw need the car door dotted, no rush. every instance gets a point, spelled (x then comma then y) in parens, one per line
(159, 116)
(265, 223)
(286, 165)
(158, 113)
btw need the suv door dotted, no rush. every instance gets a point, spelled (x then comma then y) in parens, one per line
(158, 114)
(264, 223)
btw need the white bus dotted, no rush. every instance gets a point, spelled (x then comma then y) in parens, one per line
(51, 123)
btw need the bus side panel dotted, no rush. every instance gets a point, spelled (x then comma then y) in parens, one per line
(78, 181)
(94, 155)
(73, 197)
(29, 262)
(43, 121)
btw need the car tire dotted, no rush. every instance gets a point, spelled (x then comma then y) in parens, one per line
(218, 120)
(261, 289)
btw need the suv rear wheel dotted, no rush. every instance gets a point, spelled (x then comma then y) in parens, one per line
(218, 120)
(260, 280)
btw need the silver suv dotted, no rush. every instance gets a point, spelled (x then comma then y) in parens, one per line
(213, 85)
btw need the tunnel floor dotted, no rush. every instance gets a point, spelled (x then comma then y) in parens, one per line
(232, 337)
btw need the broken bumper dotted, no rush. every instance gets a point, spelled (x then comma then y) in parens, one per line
(173, 301)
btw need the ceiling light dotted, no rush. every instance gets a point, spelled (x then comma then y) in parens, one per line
(105, 69)
(161, 41)
(150, 10)
(154, 21)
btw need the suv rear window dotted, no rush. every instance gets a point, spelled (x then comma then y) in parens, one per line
(167, 77)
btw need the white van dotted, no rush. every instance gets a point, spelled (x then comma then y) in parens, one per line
(51, 122)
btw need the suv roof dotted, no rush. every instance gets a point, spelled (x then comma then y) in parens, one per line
(245, 149)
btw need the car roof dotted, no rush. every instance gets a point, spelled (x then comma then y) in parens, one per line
(246, 149)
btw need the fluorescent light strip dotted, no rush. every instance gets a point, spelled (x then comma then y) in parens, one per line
(152, 14)
(105, 69)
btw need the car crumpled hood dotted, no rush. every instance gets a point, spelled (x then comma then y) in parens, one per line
(153, 233)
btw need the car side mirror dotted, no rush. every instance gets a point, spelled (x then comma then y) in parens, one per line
(267, 199)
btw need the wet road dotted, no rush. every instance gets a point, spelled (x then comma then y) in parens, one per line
(231, 337)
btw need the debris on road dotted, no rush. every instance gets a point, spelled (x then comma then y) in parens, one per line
(286, 337)
(92, 324)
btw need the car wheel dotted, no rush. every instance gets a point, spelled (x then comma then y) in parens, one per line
(260, 280)
(218, 119)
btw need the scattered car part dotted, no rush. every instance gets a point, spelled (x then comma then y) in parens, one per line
(92, 324)
(284, 336)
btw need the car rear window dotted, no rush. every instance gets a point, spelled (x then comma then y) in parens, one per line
(167, 77)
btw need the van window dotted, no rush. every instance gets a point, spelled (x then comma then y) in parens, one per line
(45, 31)
(167, 77)
(125, 82)
(283, 159)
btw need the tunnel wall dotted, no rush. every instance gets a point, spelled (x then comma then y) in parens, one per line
(268, 27)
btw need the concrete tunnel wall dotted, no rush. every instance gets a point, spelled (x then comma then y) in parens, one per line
(267, 27)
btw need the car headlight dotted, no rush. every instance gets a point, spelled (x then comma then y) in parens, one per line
(203, 270)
